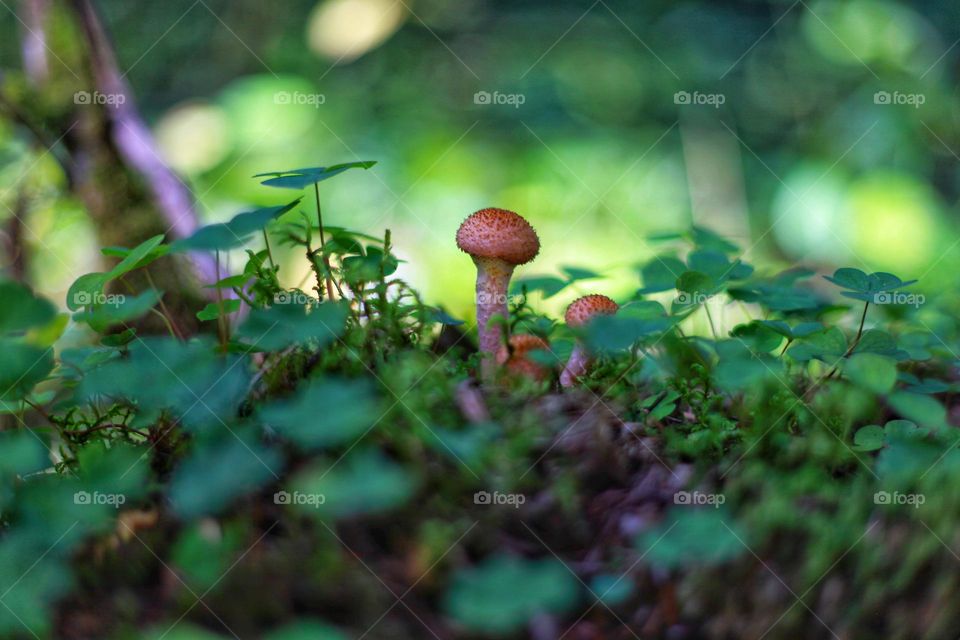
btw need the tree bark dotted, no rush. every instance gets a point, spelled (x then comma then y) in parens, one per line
(111, 161)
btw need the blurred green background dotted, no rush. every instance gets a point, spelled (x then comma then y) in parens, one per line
(821, 133)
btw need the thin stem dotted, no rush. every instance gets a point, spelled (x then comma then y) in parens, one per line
(83, 432)
(713, 329)
(244, 297)
(221, 328)
(853, 345)
(784, 350)
(323, 242)
(121, 427)
(266, 241)
(162, 316)
(167, 316)
(166, 321)
(863, 318)
(39, 410)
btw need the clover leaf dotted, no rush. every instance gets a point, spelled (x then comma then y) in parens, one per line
(232, 234)
(866, 287)
(300, 178)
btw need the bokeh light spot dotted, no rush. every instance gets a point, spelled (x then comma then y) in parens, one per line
(346, 29)
(193, 137)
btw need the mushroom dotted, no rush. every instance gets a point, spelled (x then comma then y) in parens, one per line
(579, 313)
(498, 240)
(513, 356)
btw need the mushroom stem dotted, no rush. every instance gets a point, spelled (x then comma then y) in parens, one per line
(576, 366)
(493, 281)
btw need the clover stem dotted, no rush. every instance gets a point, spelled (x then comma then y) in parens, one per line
(323, 243)
(713, 329)
(856, 340)
(164, 311)
(784, 350)
(266, 241)
(222, 327)
(863, 318)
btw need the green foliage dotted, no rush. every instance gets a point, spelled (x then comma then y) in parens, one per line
(364, 482)
(189, 380)
(693, 537)
(306, 630)
(102, 317)
(335, 431)
(504, 592)
(350, 408)
(871, 371)
(232, 234)
(861, 286)
(549, 286)
(873, 437)
(21, 309)
(283, 325)
(221, 469)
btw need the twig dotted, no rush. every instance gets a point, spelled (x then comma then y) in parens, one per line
(111, 425)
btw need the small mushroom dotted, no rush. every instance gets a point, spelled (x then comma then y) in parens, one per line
(579, 313)
(514, 357)
(498, 240)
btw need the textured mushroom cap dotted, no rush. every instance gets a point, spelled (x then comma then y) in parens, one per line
(515, 358)
(583, 309)
(498, 233)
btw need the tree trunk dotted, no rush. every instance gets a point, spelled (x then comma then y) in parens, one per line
(112, 163)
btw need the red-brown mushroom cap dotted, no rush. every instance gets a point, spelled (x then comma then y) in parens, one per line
(500, 234)
(515, 358)
(582, 310)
